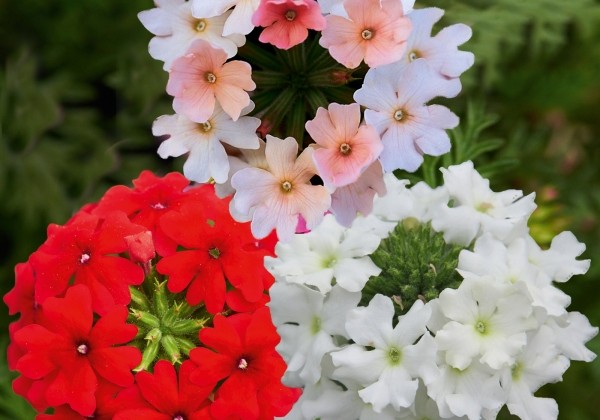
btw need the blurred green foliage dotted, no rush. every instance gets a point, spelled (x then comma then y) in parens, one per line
(79, 92)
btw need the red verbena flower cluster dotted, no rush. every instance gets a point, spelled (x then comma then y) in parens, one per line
(148, 304)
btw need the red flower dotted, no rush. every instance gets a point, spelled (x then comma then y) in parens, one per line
(150, 199)
(244, 358)
(85, 248)
(215, 253)
(21, 298)
(69, 353)
(165, 398)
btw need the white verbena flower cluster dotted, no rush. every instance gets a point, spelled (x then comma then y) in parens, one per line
(465, 352)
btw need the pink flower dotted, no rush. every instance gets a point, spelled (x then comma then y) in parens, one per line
(346, 148)
(275, 198)
(376, 31)
(287, 22)
(357, 198)
(201, 77)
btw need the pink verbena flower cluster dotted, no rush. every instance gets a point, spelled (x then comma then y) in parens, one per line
(355, 77)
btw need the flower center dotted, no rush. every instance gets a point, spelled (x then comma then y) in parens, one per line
(210, 77)
(178, 417)
(201, 25)
(243, 364)
(83, 349)
(484, 207)
(481, 327)
(399, 115)
(85, 257)
(290, 15)
(206, 126)
(345, 149)
(412, 56)
(315, 326)
(394, 356)
(286, 186)
(158, 206)
(367, 34)
(214, 252)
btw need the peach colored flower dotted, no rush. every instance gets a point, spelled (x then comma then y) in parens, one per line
(287, 22)
(274, 199)
(376, 31)
(344, 149)
(201, 77)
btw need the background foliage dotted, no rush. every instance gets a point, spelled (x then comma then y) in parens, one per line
(78, 94)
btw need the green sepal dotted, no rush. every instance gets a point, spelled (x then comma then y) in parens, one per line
(186, 345)
(145, 318)
(160, 302)
(187, 326)
(149, 355)
(139, 298)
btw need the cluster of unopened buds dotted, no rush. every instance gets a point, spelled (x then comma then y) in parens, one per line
(148, 279)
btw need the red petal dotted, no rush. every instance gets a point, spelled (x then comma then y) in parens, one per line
(75, 386)
(71, 315)
(212, 367)
(181, 268)
(160, 388)
(111, 329)
(115, 364)
(192, 397)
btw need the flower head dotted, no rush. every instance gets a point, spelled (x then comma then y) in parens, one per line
(345, 148)
(238, 22)
(275, 198)
(375, 30)
(287, 22)
(201, 78)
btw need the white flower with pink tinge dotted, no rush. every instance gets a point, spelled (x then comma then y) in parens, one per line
(376, 31)
(395, 97)
(274, 199)
(344, 147)
(175, 29)
(201, 78)
(240, 20)
(203, 141)
(440, 51)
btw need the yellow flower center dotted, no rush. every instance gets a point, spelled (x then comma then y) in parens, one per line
(345, 149)
(201, 25)
(412, 56)
(286, 186)
(399, 115)
(211, 78)
(367, 34)
(206, 126)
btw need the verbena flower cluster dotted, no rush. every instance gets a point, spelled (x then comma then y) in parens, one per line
(437, 305)
(148, 304)
(305, 72)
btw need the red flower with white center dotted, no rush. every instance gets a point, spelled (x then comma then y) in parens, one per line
(244, 360)
(150, 199)
(84, 249)
(161, 396)
(214, 252)
(71, 352)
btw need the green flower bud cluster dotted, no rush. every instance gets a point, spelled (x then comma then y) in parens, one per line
(416, 263)
(167, 325)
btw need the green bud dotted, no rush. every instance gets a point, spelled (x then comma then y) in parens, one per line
(171, 347)
(161, 303)
(187, 326)
(148, 356)
(139, 298)
(146, 318)
(154, 335)
(185, 345)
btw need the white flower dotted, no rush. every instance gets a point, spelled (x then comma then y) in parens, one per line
(510, 266)
(207, 157)
(559, 262)
(424, 407)
(240, 20)
(474, 208)
(175, 29)
(487, 322)
(571, 334)
(539, 364)
(329, 252)
(390, 370)
(395, 96)
(473, 392)
(440, 51)
(307, 320)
